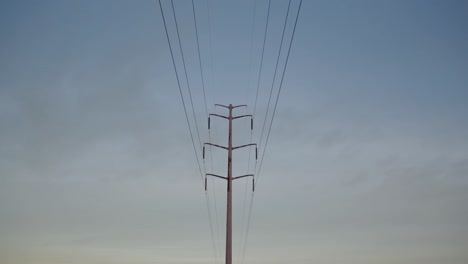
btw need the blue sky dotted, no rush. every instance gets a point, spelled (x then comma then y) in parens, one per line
(367, 159)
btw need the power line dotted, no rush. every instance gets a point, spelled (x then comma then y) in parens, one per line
(261, 59)
(274, 74)
(209, 133)
(273, 115)
(251, 132)
(185, 71)
(211, 47)
(279, 90)
(248, 226)
(199, 57)
(206, 110)
(186, 115)
(207, 198)
(255, 109)
(180, 90)
(244, 203)
(251, 50)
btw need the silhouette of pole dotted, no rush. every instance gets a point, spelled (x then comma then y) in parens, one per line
(229, 177)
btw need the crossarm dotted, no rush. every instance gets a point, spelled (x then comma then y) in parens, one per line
(242, 176)
(239, 106)
(235, 117)
(253, 144)
(218, 146)
(219, 116)
(222, 105)
(234, 106)
(215, 175)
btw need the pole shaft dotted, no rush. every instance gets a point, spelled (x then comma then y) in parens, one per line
(229, 195)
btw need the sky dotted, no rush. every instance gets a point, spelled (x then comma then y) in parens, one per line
(367, 160)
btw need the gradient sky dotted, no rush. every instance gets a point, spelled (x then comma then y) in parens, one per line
(367, 160)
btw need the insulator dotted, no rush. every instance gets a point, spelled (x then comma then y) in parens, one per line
(206, 183)
(253, 185)
(256, 153)
(251, 124)
(203, 152)
(208, 122)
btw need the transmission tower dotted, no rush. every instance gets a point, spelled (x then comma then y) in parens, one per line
(229, 177)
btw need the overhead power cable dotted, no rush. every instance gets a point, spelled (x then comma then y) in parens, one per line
(272, 118)
(186, 116)
(185, 71)
(251, 132)
(261, 59)
(243, 248)
(279, 90)
(249, 80)
(213, 101)
(206, 110)
(180, 91)
(274, 74)
(199, 57)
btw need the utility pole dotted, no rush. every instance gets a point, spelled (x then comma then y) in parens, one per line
(229, 177)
